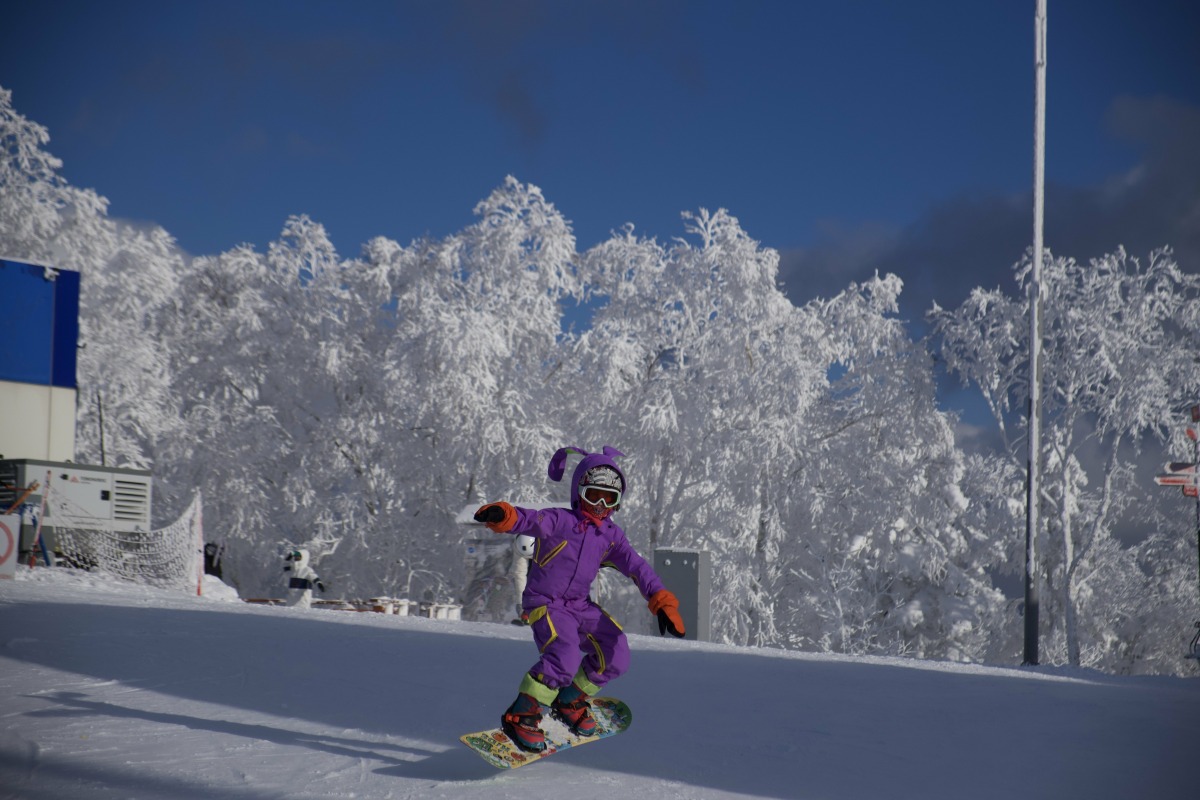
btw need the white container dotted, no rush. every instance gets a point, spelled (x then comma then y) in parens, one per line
(383, 605)
(446, 611)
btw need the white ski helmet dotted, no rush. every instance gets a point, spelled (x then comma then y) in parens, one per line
(525, 545)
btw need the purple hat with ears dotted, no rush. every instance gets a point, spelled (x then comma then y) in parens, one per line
(558, 466)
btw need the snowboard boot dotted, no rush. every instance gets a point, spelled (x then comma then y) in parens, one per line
(571, 709)
(522, 723)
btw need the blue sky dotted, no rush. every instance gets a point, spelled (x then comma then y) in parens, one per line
(850, 136)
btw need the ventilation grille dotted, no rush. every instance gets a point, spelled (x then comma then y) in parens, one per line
(8, 485)
(131, 501)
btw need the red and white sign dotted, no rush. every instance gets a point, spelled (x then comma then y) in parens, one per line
(1177, 479)
(10, 535)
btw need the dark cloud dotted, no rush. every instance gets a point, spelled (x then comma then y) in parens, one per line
(497, 43)
(975, 241)
(952, 249)
(519, 99)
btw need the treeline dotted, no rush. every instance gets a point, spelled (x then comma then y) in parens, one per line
(354, 405)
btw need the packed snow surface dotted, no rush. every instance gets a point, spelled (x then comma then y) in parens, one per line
(118, 691)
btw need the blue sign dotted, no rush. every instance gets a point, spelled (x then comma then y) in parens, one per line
(39, 324)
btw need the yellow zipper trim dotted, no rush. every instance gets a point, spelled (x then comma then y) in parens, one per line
(611, 618)
(599, 654)
(537, 614)
(553, 553)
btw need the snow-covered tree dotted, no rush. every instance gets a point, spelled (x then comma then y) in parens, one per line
(127, 408)
(695, 364)
(888, 565)
(1119, 337)
(477, 326)
(43, 218)
(746, 447)
(270, 363)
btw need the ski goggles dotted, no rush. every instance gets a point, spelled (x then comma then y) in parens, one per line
(600, 495)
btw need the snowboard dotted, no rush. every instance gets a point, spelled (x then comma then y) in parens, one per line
(493, 746)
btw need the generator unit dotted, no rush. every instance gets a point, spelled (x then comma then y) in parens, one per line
(81, 497)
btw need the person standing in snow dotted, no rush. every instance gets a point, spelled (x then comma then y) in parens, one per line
(302, 581)
(523, 547)
(582, 648)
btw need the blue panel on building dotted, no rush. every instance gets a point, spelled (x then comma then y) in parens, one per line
(66, 329)
(39, 324)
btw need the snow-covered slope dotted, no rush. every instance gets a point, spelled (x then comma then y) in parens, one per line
(112, 691)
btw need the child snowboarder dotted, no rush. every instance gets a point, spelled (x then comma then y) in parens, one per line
(302, 581)
(582, 648)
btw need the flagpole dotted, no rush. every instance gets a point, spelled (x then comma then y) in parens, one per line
(1034, 462)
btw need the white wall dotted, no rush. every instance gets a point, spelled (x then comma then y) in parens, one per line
(37, 421)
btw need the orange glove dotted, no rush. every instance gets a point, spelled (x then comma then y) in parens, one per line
(664, 605)
(499, 517)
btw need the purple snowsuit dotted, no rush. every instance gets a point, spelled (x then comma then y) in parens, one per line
(569, 629)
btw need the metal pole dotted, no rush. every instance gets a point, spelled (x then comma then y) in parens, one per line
(1194, 435)
(100, 414)
(1034, 462)
(1196, 460)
